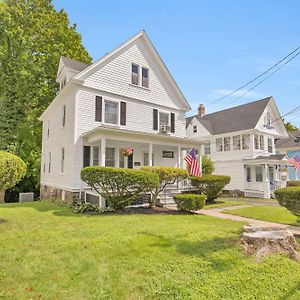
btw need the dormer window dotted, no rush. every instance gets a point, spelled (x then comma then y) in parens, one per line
(145, 77)
(135, 74)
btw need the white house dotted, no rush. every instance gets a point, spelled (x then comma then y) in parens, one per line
(126, 99)
(241, 142)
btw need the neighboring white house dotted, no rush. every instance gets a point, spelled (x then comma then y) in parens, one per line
(126, 99)
(291, 147)
(241, 142)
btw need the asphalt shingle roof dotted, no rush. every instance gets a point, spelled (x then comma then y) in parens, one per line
(237, 118)
(74, 64)
(289, 142)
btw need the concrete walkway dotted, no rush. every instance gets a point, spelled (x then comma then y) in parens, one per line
(217, 213)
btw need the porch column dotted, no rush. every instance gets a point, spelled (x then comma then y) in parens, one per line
(266, 182)
(179, 165)
(102, 152)
(150, 154)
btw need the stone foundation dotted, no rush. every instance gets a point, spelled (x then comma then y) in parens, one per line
(50, 192)
(233, 193)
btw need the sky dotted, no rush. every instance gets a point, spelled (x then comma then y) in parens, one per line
(210, 47)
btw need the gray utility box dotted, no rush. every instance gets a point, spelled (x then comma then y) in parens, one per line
(26, 197)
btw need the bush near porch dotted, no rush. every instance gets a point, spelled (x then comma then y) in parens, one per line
(167, 175)
(210, 185)
(289, 198)
(189, 202)
(119, 187)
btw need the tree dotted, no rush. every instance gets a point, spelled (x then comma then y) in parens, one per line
(167, 175)
(208, 166)
(290, 127)
(33, 36)
(12, 169)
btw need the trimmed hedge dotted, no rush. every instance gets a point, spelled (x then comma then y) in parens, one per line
(293, 183)
(210, 185)
(290, 199)
(12, 170)
(167, 175)
(189, 202)
(119, 187)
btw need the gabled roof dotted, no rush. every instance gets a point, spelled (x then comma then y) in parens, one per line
(290, 142)
(142, 34)
(242, 117)
(73, 64)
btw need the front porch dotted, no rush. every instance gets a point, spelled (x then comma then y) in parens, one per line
(263, 175)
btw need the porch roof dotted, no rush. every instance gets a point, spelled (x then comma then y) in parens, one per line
(274, 159)
(111, 132)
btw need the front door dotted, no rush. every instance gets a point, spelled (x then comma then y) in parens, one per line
(130, 161)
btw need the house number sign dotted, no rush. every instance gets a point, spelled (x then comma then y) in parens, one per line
(168, 154)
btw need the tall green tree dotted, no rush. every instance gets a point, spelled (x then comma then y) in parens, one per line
(33, 36)
(290, 127)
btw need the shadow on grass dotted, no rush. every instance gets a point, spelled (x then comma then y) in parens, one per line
(201, 248)
(291, 293)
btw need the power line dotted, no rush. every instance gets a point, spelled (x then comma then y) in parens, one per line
(257, 77)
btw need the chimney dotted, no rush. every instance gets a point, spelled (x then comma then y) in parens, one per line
(201, 110)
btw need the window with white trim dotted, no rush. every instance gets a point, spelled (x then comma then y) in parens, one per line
(262, 142)
(135, 74)
(236, 142)
(248, 174)
(268, 120)
(207, 148)
(146, 159)
(64, 116)
(111, 112)
(95, 155)
(145, 77)
(195, 128)
(246, 141)
(256, 143)
(270, 145)
(110, 157)
(227, 143)
(219, 144)
(163, 119)
(62, 160)
(258, 174)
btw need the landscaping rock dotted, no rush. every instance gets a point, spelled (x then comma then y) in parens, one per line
(263, 241)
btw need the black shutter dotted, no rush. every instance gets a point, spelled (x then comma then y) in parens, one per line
(98, 109)
(155, 119)
(172, 122)
(123, 113)
(86, 156)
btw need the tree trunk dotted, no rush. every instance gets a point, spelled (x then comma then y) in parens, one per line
(2, 195)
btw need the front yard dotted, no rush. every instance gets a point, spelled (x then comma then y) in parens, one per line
(47, 252)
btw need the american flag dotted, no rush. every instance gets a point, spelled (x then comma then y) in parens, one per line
(295, 162)
(195, 166)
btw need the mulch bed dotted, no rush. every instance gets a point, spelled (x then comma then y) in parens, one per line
(149, 211)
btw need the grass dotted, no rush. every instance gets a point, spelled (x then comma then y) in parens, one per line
(222, 203)
(266, 213)
(49, 253)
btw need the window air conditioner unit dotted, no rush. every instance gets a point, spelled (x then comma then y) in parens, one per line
(165, 128)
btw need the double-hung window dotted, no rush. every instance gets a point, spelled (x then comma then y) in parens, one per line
(227, 146)
(248, 173)
(219, 144)
(95, 156)
(195, 128)
(236, 142)
(256, 142)
(110, 157)
(258, 174)
(207, 148)
(270, 145)
(261, 142)
(62, 161)
(111, 112)
(163, 119)
(246, 141)
(135, 74)
(145, 77)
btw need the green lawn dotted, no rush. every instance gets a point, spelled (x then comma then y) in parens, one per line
(49, 253)
(266, 213)
(222, 203)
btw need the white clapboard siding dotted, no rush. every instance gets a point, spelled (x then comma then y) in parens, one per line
(115, 76)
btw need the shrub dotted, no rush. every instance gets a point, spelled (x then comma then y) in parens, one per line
(210, 185)
(208, 166)
(293, 183)
(290, 199)
(167, 175)
(12, 170)
(119, 187)
(189, 202)
(82, 207)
